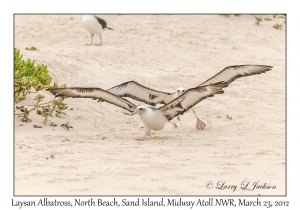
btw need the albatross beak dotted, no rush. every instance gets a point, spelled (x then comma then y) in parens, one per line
(136, 111)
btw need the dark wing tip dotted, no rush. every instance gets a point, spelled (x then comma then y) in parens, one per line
(263, 68)
(53, 91)
(266, 67)
(250, 65)
(57, 91)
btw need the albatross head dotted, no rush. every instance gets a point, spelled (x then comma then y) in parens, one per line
(179, 92)
(139, 110)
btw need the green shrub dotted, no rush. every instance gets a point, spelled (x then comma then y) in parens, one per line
(27, 75)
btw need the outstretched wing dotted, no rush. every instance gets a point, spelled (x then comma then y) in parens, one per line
(231, 73)
(190, 98)
(141, 93)
(78, 92)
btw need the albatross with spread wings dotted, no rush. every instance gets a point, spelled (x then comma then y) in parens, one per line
(153, 119)
(152, 97)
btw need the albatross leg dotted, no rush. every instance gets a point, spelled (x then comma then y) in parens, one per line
(100, 41)
(173, 124)
(147, 132)
(91, 40)
(199, 125)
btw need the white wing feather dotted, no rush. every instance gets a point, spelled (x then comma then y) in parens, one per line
(141, 93)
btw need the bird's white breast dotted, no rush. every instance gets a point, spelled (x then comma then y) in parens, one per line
(154, 119)
(91, 24)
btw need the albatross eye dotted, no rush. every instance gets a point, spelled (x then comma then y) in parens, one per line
(140, 108)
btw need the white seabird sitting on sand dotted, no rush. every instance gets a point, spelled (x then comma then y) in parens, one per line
(94, 25)
(153, 119)
(152, 97)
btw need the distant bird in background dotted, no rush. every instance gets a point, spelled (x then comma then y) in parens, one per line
(94, 25)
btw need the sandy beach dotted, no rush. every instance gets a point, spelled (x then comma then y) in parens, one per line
(162, 52)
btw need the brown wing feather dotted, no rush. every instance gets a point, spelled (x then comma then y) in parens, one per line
(141, 93)
(190, 98)
(95, 93)
(231, 73)
(102, 22)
